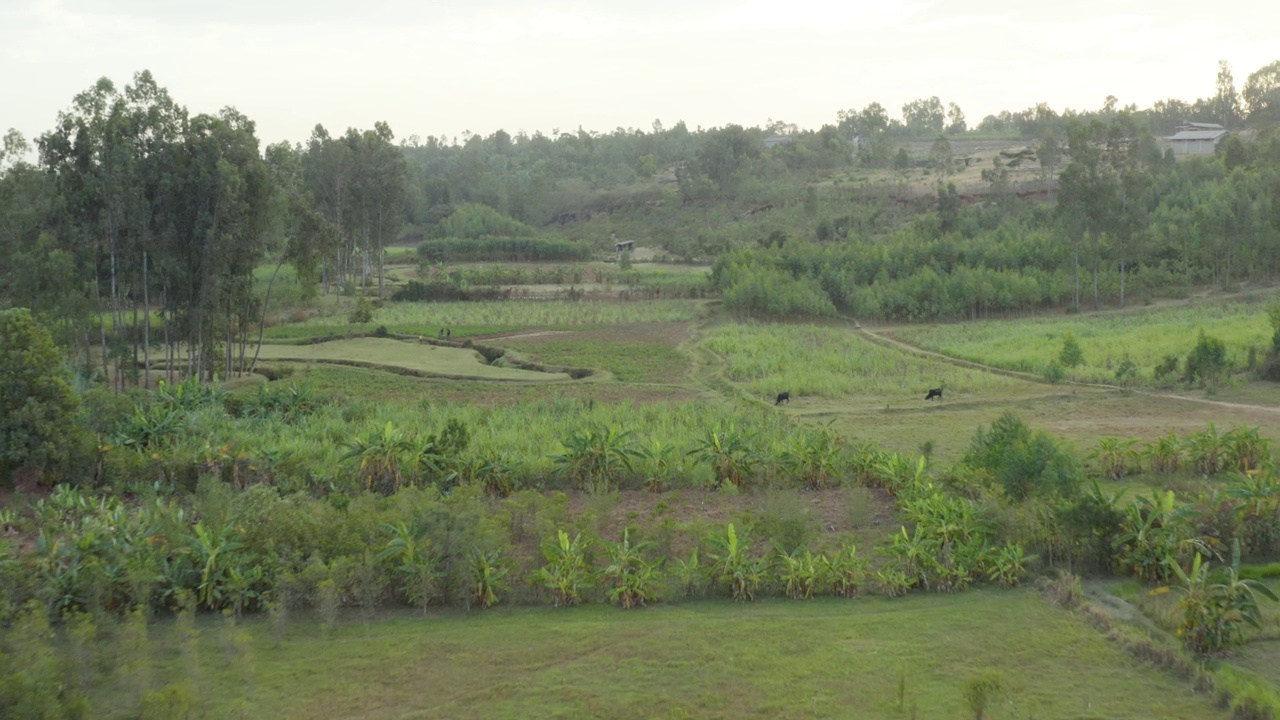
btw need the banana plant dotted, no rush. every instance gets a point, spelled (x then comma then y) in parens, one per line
(1207, 451)
(800, 571)
(1166, 453)
(660, 457)
(813, 456)
(494, 474)
(214, 553)
(1216, 605)
(381, 458)
(845, 571)
(487, 577)
(1115, 457)
(691, 574)
(410, 558)
(1008, 565)
(633, 579)
(1246, 450)
(566, 573)
(733, 564)
(1259, 490)
(596, 456)
(728, 453)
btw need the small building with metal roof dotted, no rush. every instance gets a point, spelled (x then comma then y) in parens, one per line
(1195, 142)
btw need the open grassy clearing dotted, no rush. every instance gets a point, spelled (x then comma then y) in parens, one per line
(834, 362)
(823, 658)
(642, 353)
(386, 352)
(1146, 337)
(1079, 416)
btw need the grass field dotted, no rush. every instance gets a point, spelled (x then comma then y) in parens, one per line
(377, 386)
(429, 359)
(833, 361)
(431, 316)
(1106, 339)
(633, 353)
(776, 659)
(676, 369)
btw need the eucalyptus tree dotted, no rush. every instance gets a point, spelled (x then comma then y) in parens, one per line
(86, 153)
(1105, 192)
(1262, 94)
(1227, 99)
(225, 215)
(327, 170)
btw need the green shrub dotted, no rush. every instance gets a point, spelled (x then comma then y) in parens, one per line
(363, 312)
(1024, 463)
(37, 405)
(1071, 354)
(1055, 373)
(1167, 367)
(474, 220)
(1207, 362)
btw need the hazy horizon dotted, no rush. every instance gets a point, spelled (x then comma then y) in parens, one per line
(432, 68)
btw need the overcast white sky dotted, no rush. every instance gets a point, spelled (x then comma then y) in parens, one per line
(439, 68)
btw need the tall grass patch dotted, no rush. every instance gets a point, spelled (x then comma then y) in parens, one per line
(429, 317)
(1146, 339)
(832, 362)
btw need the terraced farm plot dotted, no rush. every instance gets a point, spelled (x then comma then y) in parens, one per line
(389, 353)
(832, 362)
(527, 314)
(774, 659)
(1105, 338)
(636, 352)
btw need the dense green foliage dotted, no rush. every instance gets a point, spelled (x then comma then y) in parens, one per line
(475, 248)
(37, 406)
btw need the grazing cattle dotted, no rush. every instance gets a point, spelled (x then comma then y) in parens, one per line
(783, 397)
(934, 393)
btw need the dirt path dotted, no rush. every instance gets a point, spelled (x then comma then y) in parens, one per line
(902, 345)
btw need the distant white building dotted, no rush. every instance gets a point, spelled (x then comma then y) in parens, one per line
(1196, 139)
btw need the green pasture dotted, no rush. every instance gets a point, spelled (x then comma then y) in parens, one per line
(866, 658)
(419, 357)
(431, 316)
(358, 384)
(307, 332)
(1146, 337)
(1078, 416)
(833, 362)
(636, 359)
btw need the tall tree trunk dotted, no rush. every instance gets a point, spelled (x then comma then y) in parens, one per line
(262, 325)
(146, 325)
(1121, 283)
(102, 329)
(1077, 277)
(379, 251)
(230, 330)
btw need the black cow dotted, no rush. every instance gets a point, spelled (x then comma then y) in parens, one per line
(934, 393)
(783, 397)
